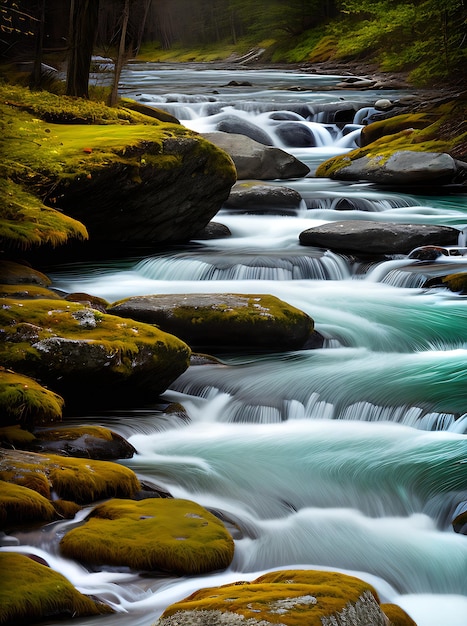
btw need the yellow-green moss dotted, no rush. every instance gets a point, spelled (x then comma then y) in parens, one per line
(393, 125)
(26, 222)
(171, 535)
(16, 437)
(293, 597)
(78, 480)
(70, 433)
(31, 592)
(25, 401)
(20, 505)
(456, 282)
(66, 509)
(28, 292)
(397, 616)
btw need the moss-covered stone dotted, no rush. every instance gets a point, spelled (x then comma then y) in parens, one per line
(115, 157)
(394, 125)
(21, 505)
(86, 355)
(14, 273)
(170, 535)
(287, 597)
(456, 282)
(222, 320)
(87, 441)
(31, 592)
(78, 480)
(24, 401)
(420, 136)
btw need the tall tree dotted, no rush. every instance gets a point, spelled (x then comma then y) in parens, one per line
(83, 26)
(121, 54)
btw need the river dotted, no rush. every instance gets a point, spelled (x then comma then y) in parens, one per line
(351, 457)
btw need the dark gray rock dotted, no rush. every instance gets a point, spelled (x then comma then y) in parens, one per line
(233, 321)
(256, 161)
(295, 135)
(172, 191)
(367, 237)
(239, 126)
(405, 167)
(262, 198)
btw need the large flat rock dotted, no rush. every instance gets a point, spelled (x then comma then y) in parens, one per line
(367, 237)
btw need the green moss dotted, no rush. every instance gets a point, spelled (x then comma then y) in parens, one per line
(78, 480)
(171, 535)
(26, 222)
(25, 401)
(21, 505)
(30, 592)
(293, 597)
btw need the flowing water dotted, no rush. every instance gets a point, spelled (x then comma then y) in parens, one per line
(350, 457)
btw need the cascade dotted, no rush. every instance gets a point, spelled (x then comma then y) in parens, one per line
(350, 457)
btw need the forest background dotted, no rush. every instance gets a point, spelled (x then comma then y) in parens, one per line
(427, 39)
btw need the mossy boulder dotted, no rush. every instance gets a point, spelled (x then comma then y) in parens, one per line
(20, 505)
(394, 125)
(456, 282)
(86, 441)
(401, 167)
(14, 273)
(93, 442)
(287, 597)
(88, 357)
(31, 592)
(169, 535)
(234, 321)
(414, 134)
(116, 175)
(78, 480)
(24, 401)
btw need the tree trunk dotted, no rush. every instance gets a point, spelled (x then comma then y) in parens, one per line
(119, 61)
(37, 70)
(83, 19)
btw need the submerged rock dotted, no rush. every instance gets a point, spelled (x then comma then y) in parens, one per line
(254, 160)
(169, 535)
(367, 237)
(234, 321)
